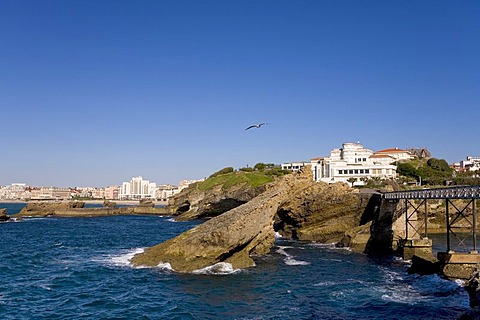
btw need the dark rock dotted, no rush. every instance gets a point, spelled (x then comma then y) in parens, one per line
(424, 265)
(473, 288)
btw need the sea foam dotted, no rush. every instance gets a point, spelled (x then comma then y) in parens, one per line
(124, 259)
(289, 259)
(220, 268)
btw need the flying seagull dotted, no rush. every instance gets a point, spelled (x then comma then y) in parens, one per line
(256, 125)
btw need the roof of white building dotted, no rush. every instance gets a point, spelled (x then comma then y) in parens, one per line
(392, 150)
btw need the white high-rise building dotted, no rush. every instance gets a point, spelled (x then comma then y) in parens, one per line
(137, 189)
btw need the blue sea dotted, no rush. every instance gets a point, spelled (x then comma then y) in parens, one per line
(78, 268)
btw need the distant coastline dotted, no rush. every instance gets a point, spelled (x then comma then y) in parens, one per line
(120, 202)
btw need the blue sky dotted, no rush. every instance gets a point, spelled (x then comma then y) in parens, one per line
(93, 93)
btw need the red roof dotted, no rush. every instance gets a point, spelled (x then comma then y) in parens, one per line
(392, 150)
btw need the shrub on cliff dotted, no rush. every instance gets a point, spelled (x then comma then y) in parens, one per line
(432, 171)
(222, 171)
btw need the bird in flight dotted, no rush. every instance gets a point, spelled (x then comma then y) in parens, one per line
(256, 125)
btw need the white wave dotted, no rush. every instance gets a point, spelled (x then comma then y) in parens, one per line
(324, 284)
(390, 275)
(278, 235)
(165, 266)
(289, 259)
(460, 282)
(171, 220)
(220, 268)
(294, 262)
(331, 246)
(122, 260)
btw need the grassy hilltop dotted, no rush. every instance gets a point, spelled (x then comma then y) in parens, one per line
(257, 176)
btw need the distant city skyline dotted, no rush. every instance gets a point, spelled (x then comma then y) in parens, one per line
(94, 93)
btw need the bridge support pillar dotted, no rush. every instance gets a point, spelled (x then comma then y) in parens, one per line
(458, 265)
(416, 247)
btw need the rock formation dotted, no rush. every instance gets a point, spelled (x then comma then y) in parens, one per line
(109, 204)
(322, 212)
(3, 215)
(231, 237)
(295, 206)
(147, 203)
(77, 209)
(192, 203)
(44, 209)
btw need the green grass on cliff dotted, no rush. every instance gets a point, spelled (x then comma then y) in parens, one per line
(253, 179)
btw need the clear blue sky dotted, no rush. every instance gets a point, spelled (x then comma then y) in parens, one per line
(93, 93)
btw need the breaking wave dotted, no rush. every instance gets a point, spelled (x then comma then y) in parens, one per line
(289, 259)
(220, 268)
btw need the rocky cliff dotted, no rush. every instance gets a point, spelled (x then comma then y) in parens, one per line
(197, 203)
(294, 206)
(231, 237)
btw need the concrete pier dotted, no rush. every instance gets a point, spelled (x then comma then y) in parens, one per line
(416, 247)
(459, 265)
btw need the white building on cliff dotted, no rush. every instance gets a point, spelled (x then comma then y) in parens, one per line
(353, 161)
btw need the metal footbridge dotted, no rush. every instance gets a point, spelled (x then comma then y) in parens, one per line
(460, 215)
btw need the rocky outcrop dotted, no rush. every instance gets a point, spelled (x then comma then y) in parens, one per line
(3, 215)
(109, 204)
(44, 209)
(322, 212)
(193, 203)
(146, 203)
(75, 209)
(232, 237)
(294, 206)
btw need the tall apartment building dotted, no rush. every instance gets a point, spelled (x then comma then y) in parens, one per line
(137, 188)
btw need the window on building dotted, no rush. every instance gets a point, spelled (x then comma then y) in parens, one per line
(356, 171)
(350, 171)
(367, 170)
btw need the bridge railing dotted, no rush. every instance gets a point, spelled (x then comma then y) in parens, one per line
(460, 192)
(456, 217)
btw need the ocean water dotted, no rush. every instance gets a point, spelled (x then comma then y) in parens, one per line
(78, 268)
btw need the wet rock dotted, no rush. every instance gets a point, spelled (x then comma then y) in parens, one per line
(3, 215)
(424, 265)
